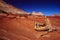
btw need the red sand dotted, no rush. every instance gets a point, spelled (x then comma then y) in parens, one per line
(22, 28)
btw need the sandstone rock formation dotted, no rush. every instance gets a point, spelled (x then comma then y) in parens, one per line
(12, 28)
(9, 8)
(56, 15)
(21, 27)
(37, 13)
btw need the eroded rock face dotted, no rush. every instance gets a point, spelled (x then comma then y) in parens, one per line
(9, 8)
(12, 28)
(17, 28)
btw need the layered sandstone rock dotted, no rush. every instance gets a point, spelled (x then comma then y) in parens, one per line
(12, 28)
(9, 8)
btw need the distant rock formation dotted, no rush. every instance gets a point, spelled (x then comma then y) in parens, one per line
(56, 15)
(9, 8)
(37, 13)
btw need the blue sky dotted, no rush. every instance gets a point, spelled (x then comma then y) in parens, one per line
(48, 7)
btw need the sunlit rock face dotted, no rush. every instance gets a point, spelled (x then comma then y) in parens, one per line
(10, 9)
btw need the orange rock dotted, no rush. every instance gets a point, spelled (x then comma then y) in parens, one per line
(23, 29)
